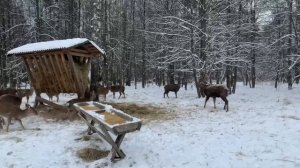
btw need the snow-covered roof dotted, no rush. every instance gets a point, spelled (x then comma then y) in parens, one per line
(52, 45)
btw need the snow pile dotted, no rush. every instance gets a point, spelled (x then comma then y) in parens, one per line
(261, 129)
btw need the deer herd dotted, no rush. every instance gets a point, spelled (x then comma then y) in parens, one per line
(206, 90)
(11, 99)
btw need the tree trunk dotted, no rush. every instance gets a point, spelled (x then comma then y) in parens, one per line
(252, 40)
(234, 78)
(196, 83)
(203, 26)
(144, 46)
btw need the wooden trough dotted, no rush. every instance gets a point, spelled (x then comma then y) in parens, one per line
(108, 119)
(59, 66)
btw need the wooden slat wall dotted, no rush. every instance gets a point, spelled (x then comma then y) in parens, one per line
(76, 75)
(69, 74)
(56, 72)
(28, 64)
(41, 79)
(56, 75)
(59, 73)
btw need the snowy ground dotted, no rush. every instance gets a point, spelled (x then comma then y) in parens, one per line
(261, 129)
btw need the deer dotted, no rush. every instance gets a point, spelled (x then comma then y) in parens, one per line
(214, 91)
(25, 93)
(50, 95)
(8, 91)
(117, 88)
(10, 109)
(102, 90)
(171, 88)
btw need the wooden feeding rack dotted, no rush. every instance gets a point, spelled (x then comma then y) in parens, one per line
(59, 66)
(107, 119)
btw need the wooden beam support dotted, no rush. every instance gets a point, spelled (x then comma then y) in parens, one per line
(40, 99)
(79, 51)
(79, 54)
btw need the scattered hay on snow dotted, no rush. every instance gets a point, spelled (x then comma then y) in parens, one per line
(49, 112)
(90, 154)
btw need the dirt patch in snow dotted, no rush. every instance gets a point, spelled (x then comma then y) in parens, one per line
(90, 154)
(55, 114)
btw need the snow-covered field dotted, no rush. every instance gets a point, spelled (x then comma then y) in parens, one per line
(261, 129)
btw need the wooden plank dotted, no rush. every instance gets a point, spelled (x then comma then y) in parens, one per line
(77, 79)
(79, 50)
(40, 99)
(58, 64)
(90, 48)
(27, 65)
(68, 73)
(42, 74)
(60, 60)
(79, 54)
(40, 53)
(56, 73)
(35, 73)
(49, 74)
(118, 142)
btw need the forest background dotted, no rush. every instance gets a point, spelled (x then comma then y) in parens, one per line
(170, 41)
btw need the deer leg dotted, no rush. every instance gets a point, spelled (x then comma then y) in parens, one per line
(214, 102)
(226, 103)
(124, 94)
(8, 123)
(206, 101)
(120, 94)
(176, 94)
(21, 123)
(2, 122)
(113, 94)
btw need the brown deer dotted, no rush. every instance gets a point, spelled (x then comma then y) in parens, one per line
(50, 95)
(171, 88)
(102, 90)
(117, 88)
(25, 93)
(214, 91)
(8, 91)
(10, 109)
